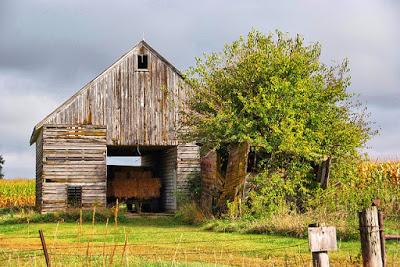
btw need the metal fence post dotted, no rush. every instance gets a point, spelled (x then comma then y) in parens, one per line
(382, 236)
(46, 254)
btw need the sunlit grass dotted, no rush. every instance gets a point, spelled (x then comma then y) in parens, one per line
(161, 242)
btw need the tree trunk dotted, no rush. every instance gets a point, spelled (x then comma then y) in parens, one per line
(235, 173)
(323, 172)
(210, 181)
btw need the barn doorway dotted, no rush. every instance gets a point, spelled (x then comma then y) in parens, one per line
(143, 177)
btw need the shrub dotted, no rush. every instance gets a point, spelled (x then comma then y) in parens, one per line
(357, 184)
(190, 213)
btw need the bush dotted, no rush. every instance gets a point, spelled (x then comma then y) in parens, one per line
(356, 185)
(276, 205)
(190, 213)
(279, 191)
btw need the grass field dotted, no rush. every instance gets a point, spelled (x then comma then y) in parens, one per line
(160, 242)
(142, 241)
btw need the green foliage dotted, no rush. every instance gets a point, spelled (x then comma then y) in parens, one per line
(279, 191)
(1, 166)
(194, 182)
(274, 92)
(356, 185)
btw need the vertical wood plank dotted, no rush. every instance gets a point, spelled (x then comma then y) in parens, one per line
(370, 240)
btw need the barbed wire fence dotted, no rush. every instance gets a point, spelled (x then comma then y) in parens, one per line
(120, 248)
(108, 252)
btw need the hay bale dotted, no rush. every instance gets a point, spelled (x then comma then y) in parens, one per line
(134, 183)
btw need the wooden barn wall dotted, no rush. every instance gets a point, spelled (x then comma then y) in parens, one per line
(188, 164)
(167, 170)
(73, 155)
(39, 170)
(137, 106)
(175, 166)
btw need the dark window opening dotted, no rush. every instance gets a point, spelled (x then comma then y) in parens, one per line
(74, 196)
(142, 62)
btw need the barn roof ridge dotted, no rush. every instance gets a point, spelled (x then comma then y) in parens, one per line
(39, 125)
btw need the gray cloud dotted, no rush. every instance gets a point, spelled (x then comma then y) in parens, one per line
(49, 49)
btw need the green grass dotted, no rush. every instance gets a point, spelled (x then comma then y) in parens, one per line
(158, 242)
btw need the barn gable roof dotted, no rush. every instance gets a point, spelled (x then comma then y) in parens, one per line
(38, 127)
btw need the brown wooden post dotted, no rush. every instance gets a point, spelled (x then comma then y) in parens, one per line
(325, 172)
(46, 254)
(382, 236)
(370, 237)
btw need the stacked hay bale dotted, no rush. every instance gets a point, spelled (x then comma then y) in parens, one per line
(133, 182)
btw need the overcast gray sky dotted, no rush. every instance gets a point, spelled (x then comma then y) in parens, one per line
(50, 49)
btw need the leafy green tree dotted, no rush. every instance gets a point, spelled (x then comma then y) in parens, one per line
(275, 93)
(1, 166)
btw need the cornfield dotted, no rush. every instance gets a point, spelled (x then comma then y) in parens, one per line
(21, 192)
(17, 193)
(387, 171)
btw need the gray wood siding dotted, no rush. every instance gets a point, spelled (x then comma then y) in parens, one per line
(73, 155)
(39, 170)
(132, 107)
(137, 106)
(188, 165)
(167, 167)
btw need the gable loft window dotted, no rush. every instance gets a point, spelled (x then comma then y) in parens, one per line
(74, 196)
(142, 62)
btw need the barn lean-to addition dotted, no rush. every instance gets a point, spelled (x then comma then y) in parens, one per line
(131, 109)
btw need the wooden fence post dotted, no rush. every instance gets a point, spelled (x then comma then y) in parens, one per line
(370, 237)
(382, 237)
(321, 239)
(46, 254)
(320, 259)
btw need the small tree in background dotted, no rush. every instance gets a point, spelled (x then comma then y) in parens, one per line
(1, 166)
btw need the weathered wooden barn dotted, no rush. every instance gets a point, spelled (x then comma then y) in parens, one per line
(130, 109)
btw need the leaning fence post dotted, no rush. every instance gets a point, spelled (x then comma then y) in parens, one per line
(370, 237)
(46, 254)
(321, 239)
